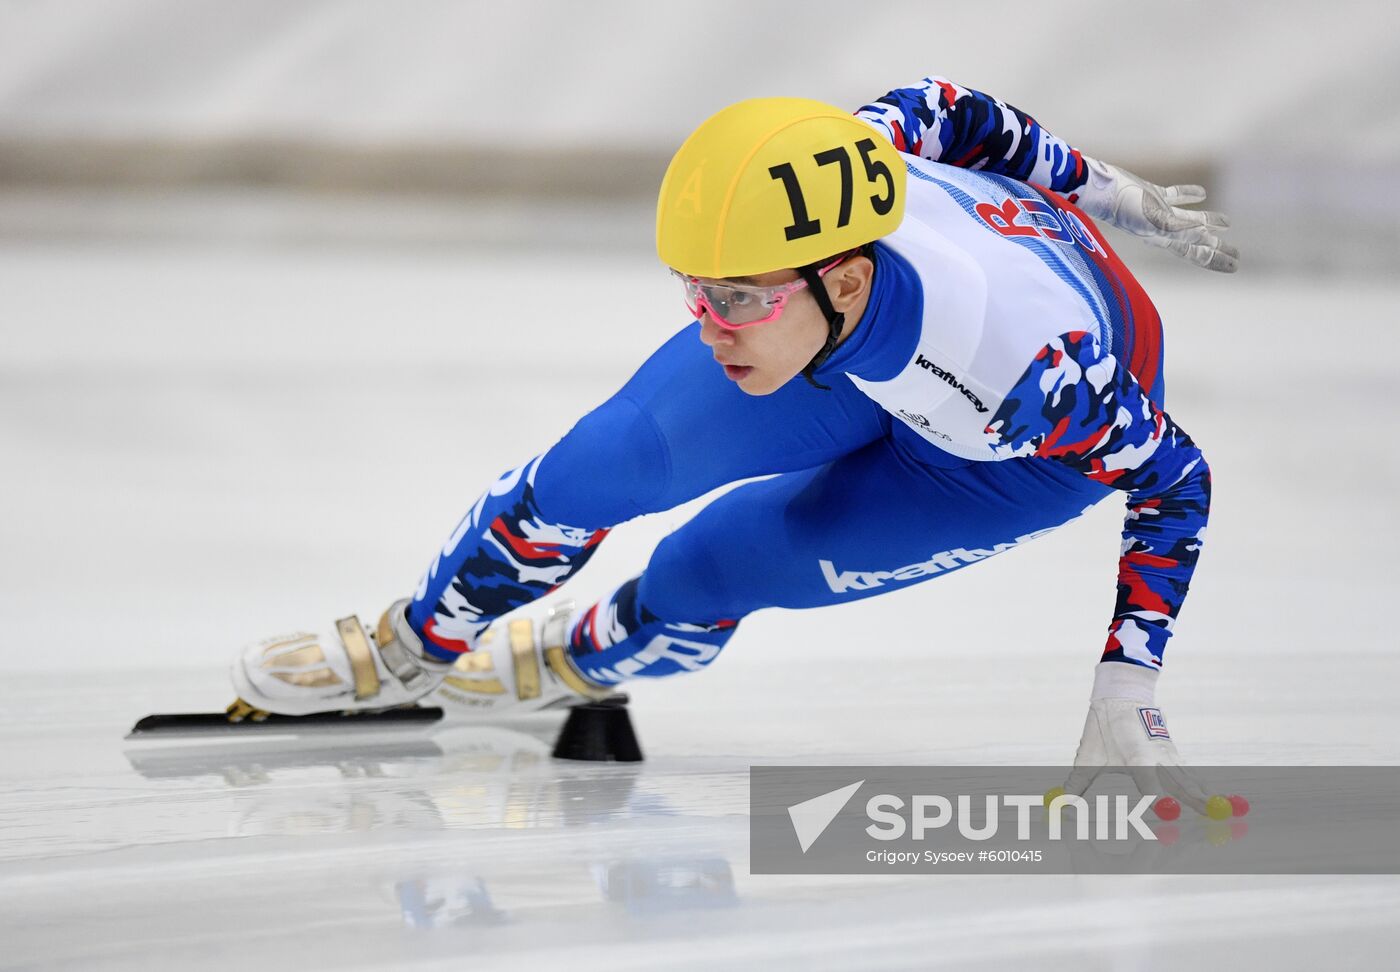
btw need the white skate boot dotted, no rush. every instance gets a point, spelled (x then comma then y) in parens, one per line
(512, 671)
(350, 669)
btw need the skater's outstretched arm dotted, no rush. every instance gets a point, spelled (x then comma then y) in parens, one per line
(945, 122)
(1079, 406)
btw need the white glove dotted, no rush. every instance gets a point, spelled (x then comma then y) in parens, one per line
(1153, 214)
(1125, 728)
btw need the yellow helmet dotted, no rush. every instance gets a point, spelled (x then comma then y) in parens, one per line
(773, 183)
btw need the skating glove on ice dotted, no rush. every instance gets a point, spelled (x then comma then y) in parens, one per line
(1125, 728)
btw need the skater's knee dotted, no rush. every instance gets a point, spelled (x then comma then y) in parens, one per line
(611, 466)
(682, 582)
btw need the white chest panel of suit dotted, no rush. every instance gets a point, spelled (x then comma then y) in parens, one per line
(991, 300)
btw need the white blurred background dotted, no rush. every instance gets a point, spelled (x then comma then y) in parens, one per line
(284, 284)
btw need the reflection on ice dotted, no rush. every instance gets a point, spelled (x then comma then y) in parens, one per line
(475, 778)
(251, 766)
(653, 884)
(640, 885)
(467, 776)
(428, 903)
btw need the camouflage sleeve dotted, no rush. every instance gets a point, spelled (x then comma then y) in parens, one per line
(938, 120)
(1078, 406)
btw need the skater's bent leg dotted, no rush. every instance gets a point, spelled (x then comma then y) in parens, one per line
(679, 428)
(869, 523)
(504, 553)
(676, 430)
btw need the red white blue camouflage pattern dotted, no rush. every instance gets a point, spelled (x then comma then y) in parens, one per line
(1080, 407)
(941, 121)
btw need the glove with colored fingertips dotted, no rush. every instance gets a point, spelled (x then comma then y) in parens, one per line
(1157, 215)
(1125, 729)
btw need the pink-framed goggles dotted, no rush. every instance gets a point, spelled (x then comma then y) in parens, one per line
(737, 306)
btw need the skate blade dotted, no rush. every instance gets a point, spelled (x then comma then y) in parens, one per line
(240, 717)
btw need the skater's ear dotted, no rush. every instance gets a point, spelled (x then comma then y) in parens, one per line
(849, 283)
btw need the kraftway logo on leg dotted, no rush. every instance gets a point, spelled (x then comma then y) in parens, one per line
(844, 581)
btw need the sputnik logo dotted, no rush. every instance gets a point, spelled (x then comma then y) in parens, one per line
(810, 818)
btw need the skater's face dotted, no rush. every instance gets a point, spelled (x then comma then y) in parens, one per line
(763, 358)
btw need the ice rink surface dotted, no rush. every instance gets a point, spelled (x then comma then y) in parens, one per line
(207, 442)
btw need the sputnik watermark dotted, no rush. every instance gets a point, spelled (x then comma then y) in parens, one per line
(810, 818)
(1111, 817)
(959, 819)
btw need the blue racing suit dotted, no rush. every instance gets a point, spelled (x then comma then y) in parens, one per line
(1005, 375)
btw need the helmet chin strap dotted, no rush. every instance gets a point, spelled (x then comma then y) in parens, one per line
(835, 321)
